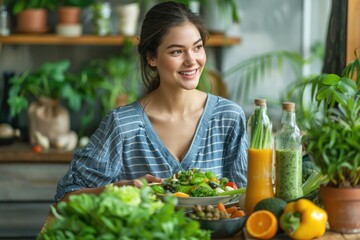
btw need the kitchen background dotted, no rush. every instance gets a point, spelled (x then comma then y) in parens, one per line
(265, 26)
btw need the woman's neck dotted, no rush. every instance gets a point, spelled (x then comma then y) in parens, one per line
(174, 103)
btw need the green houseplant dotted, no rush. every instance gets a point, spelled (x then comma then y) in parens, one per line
(69, 12)
(118, 73)
(50, 80)
(53, 81)
(220, 4)
(219, 15)
(21, 5)
(332, 137)
(47, 119)
(332, 121)
(77, 3)
(31, 15)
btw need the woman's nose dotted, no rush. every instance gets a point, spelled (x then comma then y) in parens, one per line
(190, 59)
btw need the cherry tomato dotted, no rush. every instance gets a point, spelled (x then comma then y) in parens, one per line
(37, 148)
(231, 184)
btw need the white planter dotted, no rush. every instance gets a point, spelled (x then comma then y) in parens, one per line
(218, 19)
(127, 18)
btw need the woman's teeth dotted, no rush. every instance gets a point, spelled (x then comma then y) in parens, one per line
(188, 73)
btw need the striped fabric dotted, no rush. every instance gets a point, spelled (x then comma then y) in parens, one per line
(126, 146)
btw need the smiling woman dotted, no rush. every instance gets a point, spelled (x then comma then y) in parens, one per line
(174, 126)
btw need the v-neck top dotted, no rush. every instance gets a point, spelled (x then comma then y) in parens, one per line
(125, 146)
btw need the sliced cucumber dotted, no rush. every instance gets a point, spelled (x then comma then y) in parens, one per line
(184, 189)
(233, 192)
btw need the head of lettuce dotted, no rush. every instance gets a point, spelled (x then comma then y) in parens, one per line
(124, 213)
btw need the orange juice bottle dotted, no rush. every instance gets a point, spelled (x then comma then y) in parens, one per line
(259, 179)
(260, 157)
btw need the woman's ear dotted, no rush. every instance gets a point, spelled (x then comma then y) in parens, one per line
(151, 61)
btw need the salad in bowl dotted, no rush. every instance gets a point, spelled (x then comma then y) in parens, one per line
(197, 183)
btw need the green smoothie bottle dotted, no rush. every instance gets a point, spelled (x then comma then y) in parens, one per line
(288, 156)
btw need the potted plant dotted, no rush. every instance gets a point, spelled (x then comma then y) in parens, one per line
(218, 14)
(48, 94)
(77, 3)
(127, 17)
(332, 137)
(119, 77)
(32, 15)
(69, 12)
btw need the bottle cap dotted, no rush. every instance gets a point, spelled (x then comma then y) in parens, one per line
(288, 106)
(260, 102)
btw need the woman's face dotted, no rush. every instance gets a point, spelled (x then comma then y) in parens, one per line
(180, 57)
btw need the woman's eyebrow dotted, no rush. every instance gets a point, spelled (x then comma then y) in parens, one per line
(179, 46)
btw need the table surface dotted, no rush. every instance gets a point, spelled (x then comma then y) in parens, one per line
(328, 236)
(242, 235)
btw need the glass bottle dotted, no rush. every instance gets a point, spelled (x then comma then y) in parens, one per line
(4, 20)
(260, 157)
(102, 18)
(288, 156)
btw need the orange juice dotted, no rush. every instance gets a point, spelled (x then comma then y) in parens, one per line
(259, 178)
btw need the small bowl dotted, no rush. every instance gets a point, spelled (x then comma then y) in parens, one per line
(223, 228)
(189, 202)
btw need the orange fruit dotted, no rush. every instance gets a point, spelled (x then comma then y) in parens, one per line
(181, 194)
(262, 224)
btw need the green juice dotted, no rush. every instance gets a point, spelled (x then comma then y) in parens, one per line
(288, 172)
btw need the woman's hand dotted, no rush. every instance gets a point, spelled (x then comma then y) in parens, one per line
(139, 182)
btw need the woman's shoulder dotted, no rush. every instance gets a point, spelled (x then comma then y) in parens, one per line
(126, 113)
(226, 105)
(126, 119)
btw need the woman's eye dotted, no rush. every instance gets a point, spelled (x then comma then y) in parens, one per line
(176, 52)
(198, 47)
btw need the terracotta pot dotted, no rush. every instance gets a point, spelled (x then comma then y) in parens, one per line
(69, 15)
(343, 208)
(32, 21)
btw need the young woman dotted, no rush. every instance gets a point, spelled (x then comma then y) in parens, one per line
(174, 126)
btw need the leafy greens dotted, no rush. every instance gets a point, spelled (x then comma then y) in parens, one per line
(123, 213)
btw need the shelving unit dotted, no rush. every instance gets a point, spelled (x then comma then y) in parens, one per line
(53, 39)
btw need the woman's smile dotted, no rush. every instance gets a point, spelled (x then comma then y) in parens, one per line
(189, 74)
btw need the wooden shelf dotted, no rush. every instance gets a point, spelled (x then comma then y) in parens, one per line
(21, 152)
(53, 39)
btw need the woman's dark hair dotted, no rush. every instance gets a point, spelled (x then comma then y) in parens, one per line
(157, 23)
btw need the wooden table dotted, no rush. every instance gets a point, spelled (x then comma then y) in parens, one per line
(328, 236)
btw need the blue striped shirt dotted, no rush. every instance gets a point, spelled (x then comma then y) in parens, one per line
(125, 146)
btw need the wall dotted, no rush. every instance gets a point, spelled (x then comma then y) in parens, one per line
(275, 25)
